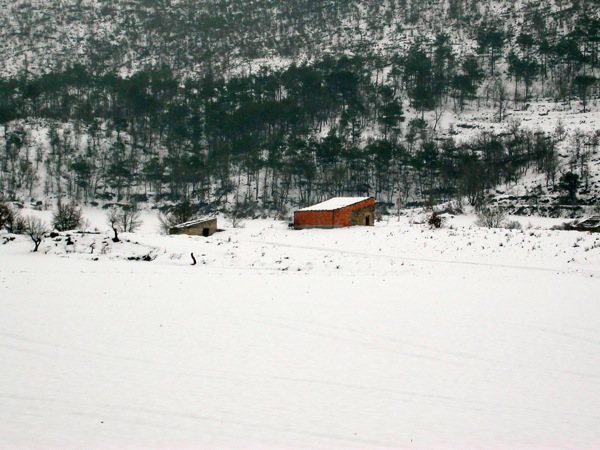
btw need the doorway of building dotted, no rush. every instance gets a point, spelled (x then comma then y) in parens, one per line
(368, 220)
(205, 232)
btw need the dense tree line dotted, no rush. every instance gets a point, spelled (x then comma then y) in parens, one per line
(169, 103)
(273, 139)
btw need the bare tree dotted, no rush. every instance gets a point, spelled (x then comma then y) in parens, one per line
(180, 213)
(438, 111)
(130, 219)
(126, 219)
(167, 221)
(35, 228)
(112, 218)
(500, 97)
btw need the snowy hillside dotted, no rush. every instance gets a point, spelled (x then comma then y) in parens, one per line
(264, 106)
(393, 336)
(233, 37)
(50, 34)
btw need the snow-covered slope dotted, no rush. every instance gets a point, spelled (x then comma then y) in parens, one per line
(393, 336)
(240, 36)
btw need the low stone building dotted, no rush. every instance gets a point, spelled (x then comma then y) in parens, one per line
(198, 227)
(337, 212)
(591, 224)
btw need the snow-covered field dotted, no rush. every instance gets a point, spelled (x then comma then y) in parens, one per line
(393, 336)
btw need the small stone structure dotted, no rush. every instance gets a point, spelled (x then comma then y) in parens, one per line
(590, 224)
(337, 212)
(197, 227)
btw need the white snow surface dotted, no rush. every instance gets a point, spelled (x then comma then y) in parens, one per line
(335, 203)
(393, 336)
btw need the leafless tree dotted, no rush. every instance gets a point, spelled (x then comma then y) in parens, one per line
(438, 112)
(500, 97)
(179, 214)
(35, 228)
(126, 219)
(130, 219)
(166, 222)
(112, 218)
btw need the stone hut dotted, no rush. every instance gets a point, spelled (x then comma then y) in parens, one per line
(337, 212)
(591, 224)
(197, 227)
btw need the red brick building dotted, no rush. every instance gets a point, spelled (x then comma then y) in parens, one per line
(337, 212)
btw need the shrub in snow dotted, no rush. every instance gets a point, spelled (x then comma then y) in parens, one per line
(513, 225)
(453, 208)
(11, 219)
(67, 217)
(491, 218)
(6, 214)
(435, 220)
(565, 226)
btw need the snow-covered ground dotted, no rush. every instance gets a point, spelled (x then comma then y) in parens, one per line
(393, 336)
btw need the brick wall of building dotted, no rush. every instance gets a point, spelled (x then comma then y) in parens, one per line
(362, 213)
(313, 219)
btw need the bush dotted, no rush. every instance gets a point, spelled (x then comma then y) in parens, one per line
(18, 225)
(67, 217)
(565, 226)
(7, 216)
(11, 219)
(435, 220)
(491, 218)
(513, 225)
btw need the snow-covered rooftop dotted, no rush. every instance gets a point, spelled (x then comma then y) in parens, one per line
(335, 203)
(588, 222)
(193, 222)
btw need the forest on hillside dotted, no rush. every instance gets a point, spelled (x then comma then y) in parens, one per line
(339, 121)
